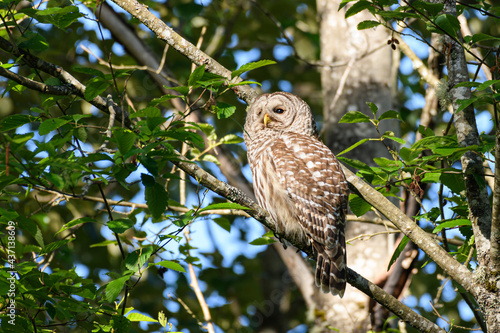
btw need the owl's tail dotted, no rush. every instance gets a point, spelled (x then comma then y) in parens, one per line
(331, 269)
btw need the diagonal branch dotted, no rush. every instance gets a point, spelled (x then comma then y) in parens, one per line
(425, 242)
(356, 280)
(78, 89)
(35, 85)
(186, 48)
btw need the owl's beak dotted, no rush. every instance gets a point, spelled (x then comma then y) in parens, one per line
(267, 119)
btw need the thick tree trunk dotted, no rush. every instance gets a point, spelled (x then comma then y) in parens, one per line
(356, 70)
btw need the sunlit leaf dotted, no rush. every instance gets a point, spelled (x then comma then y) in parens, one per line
(135, 316)
(398, 251)
(120, 225)
(223, 205)
(170, 265)
(354, 117)
(251, 66)
(367, 24)
(114, 288)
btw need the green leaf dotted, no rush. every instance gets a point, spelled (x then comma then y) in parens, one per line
(449, 23)
(243, 83)
(183, 90)
(223, 205)
(446, 224)
(104, 243)
(373, 107)
(391, 114)
(478, 38)
(359, 143)
(432, 8)
(114, 288)
(267, 238)
(61, 17)
(170, 265)
(455, 182)
(393, 14)
(223, 223)
(138, 258)
(34, 42)
(368, 24)
(359, 206)
(51, 124)
(426, 132)
(15, 121)
(120, 225)
(134, 316)
(398, 251)
(147, 180)
(156, 199)
(357, 7)
(125, 139)
(150, 111)
(80, 133)
(391, 136)
(95, 87)
(55, 245)
(224, 110)
(210, 158)
(354, 163)
(487, 84)
(55, 179)
(344, 3)
(354, 117)
(76, 222)
(231, 139)
(162, 99)
(251, 66)
(208, 130)
(120, 324)
(94, 157)
(196, 75)
(184, 219)
(87, 70)
(387, 163)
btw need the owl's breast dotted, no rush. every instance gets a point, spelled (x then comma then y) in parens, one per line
(271, 194)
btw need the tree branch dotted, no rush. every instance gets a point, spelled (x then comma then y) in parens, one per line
(35, 85)
(186, 48)
(425, 242)
(356, 280)
(495, 222)
(467, 135)
(76, 86)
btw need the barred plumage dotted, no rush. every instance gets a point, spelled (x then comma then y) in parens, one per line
(299, 182)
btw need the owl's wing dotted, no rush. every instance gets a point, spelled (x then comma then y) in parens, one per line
(316, 184)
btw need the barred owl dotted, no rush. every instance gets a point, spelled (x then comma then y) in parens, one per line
(299, 182)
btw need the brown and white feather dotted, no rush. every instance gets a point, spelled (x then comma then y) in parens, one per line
(299, 182)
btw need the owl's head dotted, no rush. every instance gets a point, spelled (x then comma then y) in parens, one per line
(281, 112)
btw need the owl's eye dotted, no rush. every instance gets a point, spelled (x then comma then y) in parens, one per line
(278, 110)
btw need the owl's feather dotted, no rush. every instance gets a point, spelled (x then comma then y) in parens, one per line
(299, 181)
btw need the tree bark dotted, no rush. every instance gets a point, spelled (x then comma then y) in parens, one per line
(480, 212)
(355, 68)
